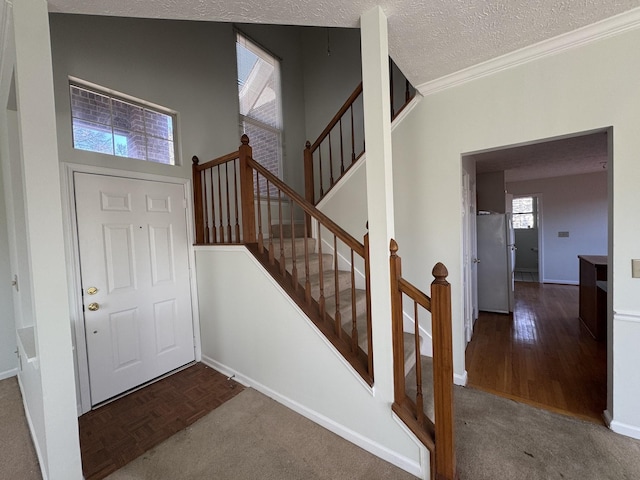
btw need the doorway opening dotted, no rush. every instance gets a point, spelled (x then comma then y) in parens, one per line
(522, 355)
(526, 213)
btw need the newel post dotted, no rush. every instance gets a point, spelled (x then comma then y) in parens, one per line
(197, 201)
(395, 268)
(445, 461)
(309, 193)
(246, 192)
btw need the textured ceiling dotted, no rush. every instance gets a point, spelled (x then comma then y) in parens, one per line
(428, 39)
(569, 156)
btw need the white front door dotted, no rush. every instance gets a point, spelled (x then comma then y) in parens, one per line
(132, 237)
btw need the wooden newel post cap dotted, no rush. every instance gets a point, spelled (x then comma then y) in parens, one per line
(440, 273)
(195, 160)
(244, 139)
(393, 247)
(307, 145)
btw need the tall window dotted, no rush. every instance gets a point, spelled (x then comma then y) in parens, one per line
(525, 212)
(259, 100)
(106, 123)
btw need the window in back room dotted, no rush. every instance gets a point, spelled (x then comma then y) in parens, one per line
(116, 124)
(525, 213)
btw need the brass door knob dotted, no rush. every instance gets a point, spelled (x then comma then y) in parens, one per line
(93, 306)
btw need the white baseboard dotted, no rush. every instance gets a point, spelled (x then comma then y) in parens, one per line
(460, 379)
(560, 282)
(365, 443)
(9, 373)
(624, 429)
(36, 446)
(621, 428)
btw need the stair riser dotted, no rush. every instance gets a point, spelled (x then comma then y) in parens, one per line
(329, 290)
(288, 247)
(345, 305)
(286, 230)
(314, 266)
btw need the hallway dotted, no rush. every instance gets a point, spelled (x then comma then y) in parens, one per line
(540, 355)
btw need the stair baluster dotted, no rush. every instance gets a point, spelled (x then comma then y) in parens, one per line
(294, 269)
(337, 316)
(235, 195)
(260, 239)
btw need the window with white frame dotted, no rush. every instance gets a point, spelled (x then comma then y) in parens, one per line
(259, 99)
(524, 213)
(105, 122)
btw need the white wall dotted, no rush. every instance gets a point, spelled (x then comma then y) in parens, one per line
(271, 345)
(47, 383)
(586, 88)
(8, 359)
(576, 204)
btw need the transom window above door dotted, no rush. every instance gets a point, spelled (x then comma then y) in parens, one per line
(105, 122)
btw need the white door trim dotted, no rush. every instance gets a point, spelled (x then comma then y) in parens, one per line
(73, 267)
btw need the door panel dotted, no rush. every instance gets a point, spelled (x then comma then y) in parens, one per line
(133, 244)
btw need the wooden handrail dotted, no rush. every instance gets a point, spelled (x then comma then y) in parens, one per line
(319, 182)
(236, 188)
(216, 161)
(336, 118)
(437, 435)
(308, 208)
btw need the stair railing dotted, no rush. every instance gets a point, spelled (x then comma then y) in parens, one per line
(437, 434)
(341, 143)
(236, 190)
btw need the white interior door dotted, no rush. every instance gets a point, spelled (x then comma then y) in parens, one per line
(132, 236)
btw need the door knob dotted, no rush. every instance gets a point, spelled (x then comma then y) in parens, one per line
(476, 260)
(93, 307)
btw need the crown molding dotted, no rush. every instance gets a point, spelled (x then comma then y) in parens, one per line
(591, 33)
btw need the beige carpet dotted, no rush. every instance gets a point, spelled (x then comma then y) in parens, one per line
(251, 437)
(18, 458)
(254, 437)
(503, 439)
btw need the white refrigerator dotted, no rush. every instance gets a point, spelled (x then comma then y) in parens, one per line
(496, 259)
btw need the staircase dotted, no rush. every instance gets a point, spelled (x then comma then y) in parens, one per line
(347, 303)
(326, 271)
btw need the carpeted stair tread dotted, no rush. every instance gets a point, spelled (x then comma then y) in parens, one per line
(345, 304)
(314, 264)
(329, 283)
(288, 246)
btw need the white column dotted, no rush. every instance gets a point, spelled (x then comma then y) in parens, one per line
(45, 244)
(377, 132)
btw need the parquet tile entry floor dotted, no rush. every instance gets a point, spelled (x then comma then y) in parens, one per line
(115, 434)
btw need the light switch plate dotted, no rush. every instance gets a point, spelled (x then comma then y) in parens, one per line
(635, 268)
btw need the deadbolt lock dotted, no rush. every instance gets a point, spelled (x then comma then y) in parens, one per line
(92, 290)
(93, 306)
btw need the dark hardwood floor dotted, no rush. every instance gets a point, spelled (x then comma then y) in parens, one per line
(542, 354)
(118, 432)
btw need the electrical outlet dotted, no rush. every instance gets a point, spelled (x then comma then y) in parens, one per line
(563, 234)
(635, 268)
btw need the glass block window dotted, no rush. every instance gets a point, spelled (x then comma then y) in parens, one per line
(105, 123)
(259, 100)
(524, 212)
